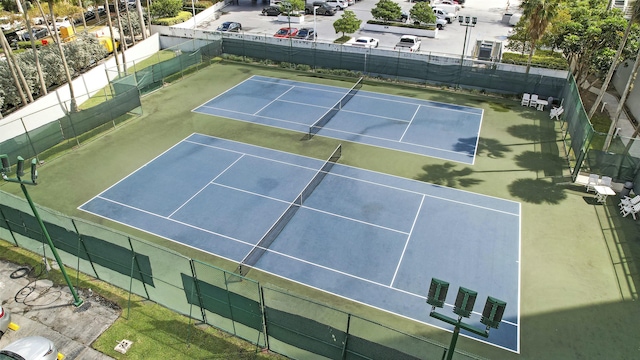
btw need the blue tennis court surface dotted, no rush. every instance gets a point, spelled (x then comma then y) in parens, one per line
(434, 129)
(369, 237)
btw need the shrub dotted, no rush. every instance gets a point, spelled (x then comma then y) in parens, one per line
(182, 17)
(166, 8)
(403, 25)
(545, 59)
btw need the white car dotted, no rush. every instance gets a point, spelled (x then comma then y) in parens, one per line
(338, 4)
(5, 320)
(367, 42)
(31, 348)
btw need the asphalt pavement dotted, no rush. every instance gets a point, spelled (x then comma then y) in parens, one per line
(40, 308)
(448, 41)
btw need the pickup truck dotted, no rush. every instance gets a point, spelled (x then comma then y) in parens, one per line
(408, 43)
(450, 17)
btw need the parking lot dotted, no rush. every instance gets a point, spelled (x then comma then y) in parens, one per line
(448, 41)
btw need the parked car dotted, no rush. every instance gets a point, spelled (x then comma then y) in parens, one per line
(5, 320)
(367, 42)
(31, 348)
(440, 23)
(62, 21)
(322, 8)
(38, 33)
(271, 11)
(286, 32)
(230, 26)
(338, 4)
(306, 34)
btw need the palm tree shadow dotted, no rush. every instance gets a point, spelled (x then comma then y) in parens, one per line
(446, 175)
(492, 147)
(532, 133)
(537, 191)
(549, 164)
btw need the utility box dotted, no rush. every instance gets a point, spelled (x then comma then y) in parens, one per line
(506, 18)
(488, 50)
(67, 33)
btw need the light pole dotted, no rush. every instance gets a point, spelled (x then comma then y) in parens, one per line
(6, 168)
(467, 22)
(287, 6)
(491, 315)
(315, 32)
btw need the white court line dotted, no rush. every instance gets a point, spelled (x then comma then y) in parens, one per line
(410, 122)
(204, 187)
(406, 244)
(372, 182)
(224, 92)
(301, 86)
(169, 219)
(340, 131)
(274, 100)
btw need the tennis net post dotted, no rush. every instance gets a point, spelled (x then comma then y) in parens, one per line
(327, 116)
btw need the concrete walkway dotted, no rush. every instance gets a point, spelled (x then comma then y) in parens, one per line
(40, 308)
(610, 102)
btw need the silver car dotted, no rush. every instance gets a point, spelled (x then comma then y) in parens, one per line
(5, 320)
(31, 348)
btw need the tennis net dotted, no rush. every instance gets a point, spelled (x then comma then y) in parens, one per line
(256, 253)
(324, 119)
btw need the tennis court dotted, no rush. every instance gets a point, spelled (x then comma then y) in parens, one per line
(373, 238)
(430, 128)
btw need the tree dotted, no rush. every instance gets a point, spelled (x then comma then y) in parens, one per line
(423, 13)
(291, 6)
(348, 23)
(73, 106)
(539, 14)
(616, 60)
(43, 87)
(166, 8)
(386, 10)
(143, 28)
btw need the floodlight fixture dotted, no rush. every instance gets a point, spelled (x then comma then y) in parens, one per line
(474, 20)
(20, 167)
(6, 165)
(492, 313)
(464, 302)
(34, 170)
(437, 293)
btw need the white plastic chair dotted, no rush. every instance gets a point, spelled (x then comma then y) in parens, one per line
(525, 99)
(629, 201)
(605, 181)
(556, 112)
(633, 210)
(594, 179)
(534, 100)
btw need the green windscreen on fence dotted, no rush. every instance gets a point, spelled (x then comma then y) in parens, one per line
(285, 323)
(397, 66)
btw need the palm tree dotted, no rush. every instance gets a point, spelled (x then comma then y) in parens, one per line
(539, 14)
(143, 28)
(614, 120)
(5, 47)
(616, 59)
(73, 106)
(43, 86)
(113, 39)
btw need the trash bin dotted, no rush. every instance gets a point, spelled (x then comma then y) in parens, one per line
(626, 189)
(506, 18)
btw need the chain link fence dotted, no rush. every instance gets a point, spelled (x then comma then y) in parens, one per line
(271, 318)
